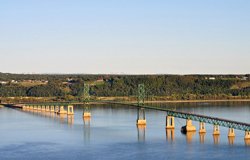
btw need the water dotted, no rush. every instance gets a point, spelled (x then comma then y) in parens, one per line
(111, 133)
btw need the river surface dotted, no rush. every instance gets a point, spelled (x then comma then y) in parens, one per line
(111, 133)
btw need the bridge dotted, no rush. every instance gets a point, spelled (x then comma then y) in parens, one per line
(59, 108)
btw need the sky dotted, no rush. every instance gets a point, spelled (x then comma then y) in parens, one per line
(125, 36)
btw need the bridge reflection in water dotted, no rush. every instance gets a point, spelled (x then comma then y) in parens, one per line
(86, 129)
(170, 134)
(141, 133)
(202, 137)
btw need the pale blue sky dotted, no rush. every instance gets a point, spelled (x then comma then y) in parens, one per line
(125, 36)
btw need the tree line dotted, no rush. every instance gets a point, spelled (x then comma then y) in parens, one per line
(172, 87)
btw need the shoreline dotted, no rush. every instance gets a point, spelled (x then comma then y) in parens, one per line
(183, 101)
(199, 101)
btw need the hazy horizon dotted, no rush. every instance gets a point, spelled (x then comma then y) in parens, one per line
(125, 37)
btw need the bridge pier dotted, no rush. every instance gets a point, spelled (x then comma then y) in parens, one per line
(231, 132)
(202, 128)
(56, 109)
(170, 122)
(39, 108)
(141, 120)
(247, 135)
(52, 108)
(43, 108)
(70, 110)
(216, 130)
(62, 111)
(189, 127)
(86, 111)
(47, 109)
(35, 107)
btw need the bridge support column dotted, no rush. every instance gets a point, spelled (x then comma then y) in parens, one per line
(62, 111)
(86, 111)
(170, 122)
(189, 127)
(52, 108)
(70, 110)
(35, 107)
(39, 108)
(47, 109)
(43, 108)
(56, 109)
(247, 135)
(216, 130)
(141, 119)
(86, 114)
(231, 132)
(202, 128)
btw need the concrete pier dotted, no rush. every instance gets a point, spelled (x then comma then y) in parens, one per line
(47, 109)
(43, 108)
(141, 122)
(170, 122)
(247, 135)
(231, 132)
(216, 130)
(189, 127)
(39, 108)
(70, 110)
(52, 108)
(56, 109)
(86, 114)
(202, 128)
(62, 110)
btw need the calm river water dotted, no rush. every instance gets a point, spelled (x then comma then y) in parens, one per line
(111, 133)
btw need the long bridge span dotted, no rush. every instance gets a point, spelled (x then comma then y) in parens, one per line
(59, 108)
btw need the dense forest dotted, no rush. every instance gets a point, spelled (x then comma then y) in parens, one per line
(164, 87)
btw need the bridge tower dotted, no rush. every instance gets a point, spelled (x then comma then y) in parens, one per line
(86, 96)
(141, 118)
